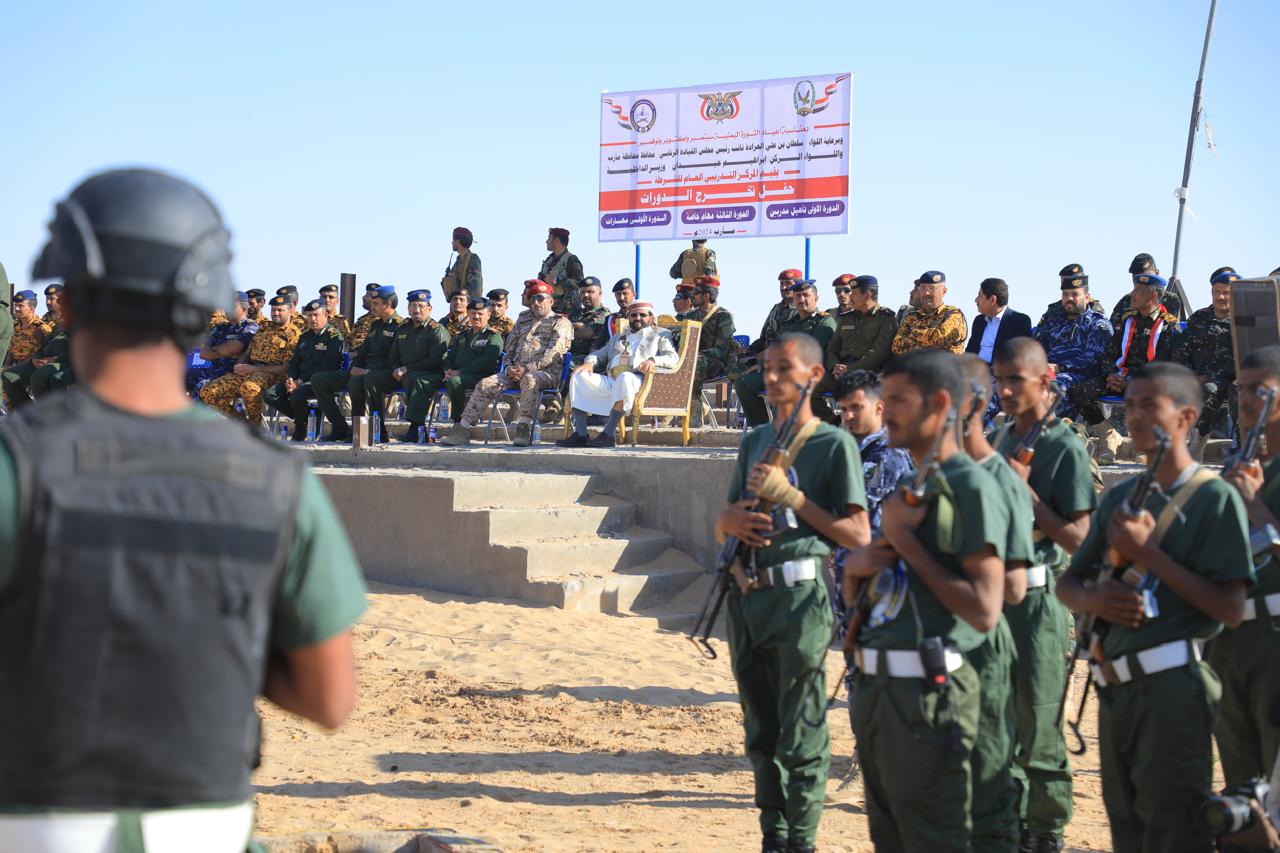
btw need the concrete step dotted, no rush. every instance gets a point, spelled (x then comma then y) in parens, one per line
(618, 592)
(681, 610)
(599, 514)
(512, 490)
(590, 556)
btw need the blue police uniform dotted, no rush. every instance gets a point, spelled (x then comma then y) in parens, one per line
(1076, 346)
(242, 331)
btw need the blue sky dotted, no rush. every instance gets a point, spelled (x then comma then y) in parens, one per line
(989, 139)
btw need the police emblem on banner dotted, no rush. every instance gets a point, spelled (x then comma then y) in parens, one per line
(720, 106)
(804, 97)
(643, 115)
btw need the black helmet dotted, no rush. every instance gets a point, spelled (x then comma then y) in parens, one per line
(132, 239)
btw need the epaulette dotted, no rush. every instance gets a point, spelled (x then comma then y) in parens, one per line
(882, 310)
(823, 314)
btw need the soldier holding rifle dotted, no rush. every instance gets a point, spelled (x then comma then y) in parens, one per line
(1247, 658)
(923, 595)
(779, 617)
(1054, 465)
(1155, 579)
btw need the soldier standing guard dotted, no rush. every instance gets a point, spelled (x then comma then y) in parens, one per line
(562, 270)
(778, 614)
(933, 325)
(1074, 336)
(692, 264)
(329, 295)
(266, 361)
(465, 274)
(1205, 347)
(319, 349)
(534, 354)
(1061, 485)
(1156, 701)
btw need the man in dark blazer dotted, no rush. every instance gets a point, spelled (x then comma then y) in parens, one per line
(996, 321)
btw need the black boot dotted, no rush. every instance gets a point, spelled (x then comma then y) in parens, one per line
(800, 848)
(340, 431)
(410, 436)
(773, 844)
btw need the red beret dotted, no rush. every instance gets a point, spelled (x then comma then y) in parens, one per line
(843, 278)
(464, 233)
(790, 275)
(561, 234)
(712, 280)
(533, 286)
(684, 289)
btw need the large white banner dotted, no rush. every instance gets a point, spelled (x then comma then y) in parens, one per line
(766, 158)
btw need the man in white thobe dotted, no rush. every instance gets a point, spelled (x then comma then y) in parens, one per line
(626, 359)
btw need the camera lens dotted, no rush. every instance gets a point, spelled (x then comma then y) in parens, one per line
(1224, 815)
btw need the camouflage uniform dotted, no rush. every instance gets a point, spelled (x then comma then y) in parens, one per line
(456, 324)
(597, 317)
(27, 339)
(242, 331)
(821, 326)
(564, 273)
(537, 345)
(694, 262)
(24, 380)
(715, 343)
(359, 332)
(271, 345)
(1054, 310)
(342, 325)
(944, 329)
(1169, 301)
(780, 314)
(217, 318)
(1205, 347)
(861, 342)
(50, 319)
(502, 325)
(464, 275)
(1075, 346)
(1084, 394)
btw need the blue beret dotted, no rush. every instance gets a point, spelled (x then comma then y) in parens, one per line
(477, 303)
(931, 277)
(802, 285)
(419, 296)
(241, 296)
(590, 281)
(313, 305)
(24, 296)
(384, 291)
(1225, 277)
(1150, 280)
(867, 282)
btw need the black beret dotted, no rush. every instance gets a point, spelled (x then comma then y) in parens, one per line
(477, 303)
(590, 281)
(256, 292)
(280, 300)
(52, 289)
(1070, 270)
(1142, 263)
(314, 305)
(329, 288)
(497, 293)
(288, 288)
(1072, 282)
(371, 287)
(623, 284)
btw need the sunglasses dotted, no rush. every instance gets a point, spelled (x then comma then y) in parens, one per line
(541, 297)
(844, 290)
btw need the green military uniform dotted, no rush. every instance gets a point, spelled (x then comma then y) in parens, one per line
(317, 352)
(715, 343)
(1154, 730)
(862, 339)
(6, 319)
(474, 355)
(1247, 659)
(781, 313)
(915, 740)
(1205, 347)
(374, 356)
(1061, 476)
(598, 319)
(1168, 300)
(420, 350)
(996, 824)
(821, 326)
(778, 640)
(464, 275)
(693, 263)
(24, 380)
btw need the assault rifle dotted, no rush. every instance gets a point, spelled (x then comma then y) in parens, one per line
(1026, 449)
(1261, 542)
(734, 551)
(1092, 631)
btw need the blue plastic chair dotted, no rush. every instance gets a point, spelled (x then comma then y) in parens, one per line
(543, 395)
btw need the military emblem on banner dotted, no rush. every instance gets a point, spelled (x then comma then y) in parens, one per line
(643, 115)
(720, 106)
(805, 95)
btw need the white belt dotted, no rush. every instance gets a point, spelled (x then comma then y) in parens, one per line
(1272, 603)
(1152, 660)
(1037, 576)
(792, 572)
(901, 663)
(221, 829)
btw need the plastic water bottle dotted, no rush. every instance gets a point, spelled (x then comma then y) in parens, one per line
(312, 425)
(284, 432)
(537, 432)
(239, 408)
(433, 436)
(377, 427)
(403, 408)
(422, 435)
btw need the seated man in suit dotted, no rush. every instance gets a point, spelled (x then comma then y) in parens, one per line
(996, 321)
(627, 358)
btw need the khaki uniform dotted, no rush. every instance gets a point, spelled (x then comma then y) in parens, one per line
(359, 332)
(456, 324)
(537, 345)
(28, 337)
(502, 325)
(944, 329)
(217, 318)
(271, 345)
(342, 325)
(564, 273)
(695, 262)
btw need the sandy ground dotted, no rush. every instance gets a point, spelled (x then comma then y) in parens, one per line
(541, 729)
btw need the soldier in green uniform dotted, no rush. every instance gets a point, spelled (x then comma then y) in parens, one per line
(916, 699)
(465, 273)
(6, 319)
(1061, 488)
(1140, 265)
(417, 363)
(692, 264)
(780, 627)
(562, 270)
(624, 293)
(782, 312)
(372, 360)
(715, 343)
(473, 355)
(319, 349)
(808, 320)
(1247, 657)
(864, 333)
(589, 320)
(682, 302)
(1156, 701)
(52, 295)
(996, 824)
(329, 295)
(1205, 347)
